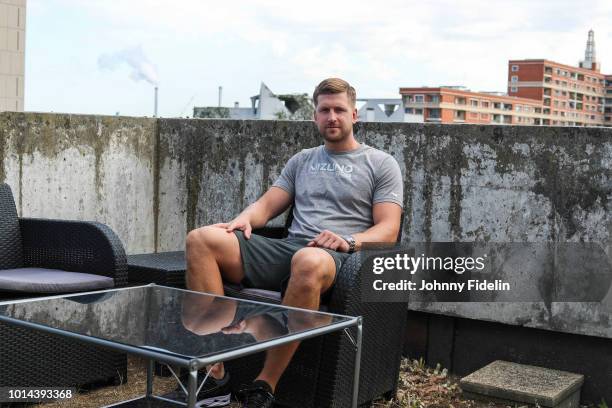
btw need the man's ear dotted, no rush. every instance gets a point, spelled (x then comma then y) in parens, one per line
(355, 115)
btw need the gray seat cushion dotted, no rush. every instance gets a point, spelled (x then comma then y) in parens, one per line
(41, 280)
(262, 295)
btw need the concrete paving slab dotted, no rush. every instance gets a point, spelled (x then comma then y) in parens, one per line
(506, 381)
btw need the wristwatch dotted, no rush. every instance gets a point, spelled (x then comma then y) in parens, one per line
(351, 242)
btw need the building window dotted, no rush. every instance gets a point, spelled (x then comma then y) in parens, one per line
(434, 113)
(418, 98)
(485, 104)
(474, 103)
(460, 101)
(515, 68)
(484, 116)
(434, 98)
(513, 89)
(514, 78)
(409, 111)
(418, 111)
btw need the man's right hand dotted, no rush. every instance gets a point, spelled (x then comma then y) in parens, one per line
(241, 223)
(272, 203)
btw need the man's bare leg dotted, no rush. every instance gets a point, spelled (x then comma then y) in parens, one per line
(212, 254)
(312, 273)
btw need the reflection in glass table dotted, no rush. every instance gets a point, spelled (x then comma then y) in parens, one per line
(175, 326)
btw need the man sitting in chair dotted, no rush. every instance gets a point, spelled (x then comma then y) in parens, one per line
(344, 193)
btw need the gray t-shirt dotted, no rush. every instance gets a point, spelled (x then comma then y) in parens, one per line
(336, 191)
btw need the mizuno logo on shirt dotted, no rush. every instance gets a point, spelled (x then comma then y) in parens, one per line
(331, 167)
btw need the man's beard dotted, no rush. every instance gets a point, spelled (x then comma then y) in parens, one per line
(338, 136)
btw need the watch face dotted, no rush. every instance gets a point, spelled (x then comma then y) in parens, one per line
(351, 242)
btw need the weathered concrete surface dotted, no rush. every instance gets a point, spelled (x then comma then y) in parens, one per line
(154, 180)
(211, 169)
(463, 183)
(83, 167)
(522, 383)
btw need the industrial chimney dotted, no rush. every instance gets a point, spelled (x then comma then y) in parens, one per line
(155, 104)
(220, 94)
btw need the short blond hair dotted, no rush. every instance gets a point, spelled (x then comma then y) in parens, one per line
(331, 86)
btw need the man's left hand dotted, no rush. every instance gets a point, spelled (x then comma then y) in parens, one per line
(329, 240)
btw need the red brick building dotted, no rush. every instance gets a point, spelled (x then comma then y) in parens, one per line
(570, 96)
(540, 92)
(458, 105)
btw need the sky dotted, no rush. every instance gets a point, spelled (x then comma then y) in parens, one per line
(104, 56)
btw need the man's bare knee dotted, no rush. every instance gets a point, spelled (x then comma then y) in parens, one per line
(311, 269)
(214, 244)
(202, 239)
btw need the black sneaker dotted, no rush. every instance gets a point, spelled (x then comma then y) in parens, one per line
(214, 393)
(257, 395)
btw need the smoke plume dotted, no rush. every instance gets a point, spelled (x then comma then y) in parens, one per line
(135, 58)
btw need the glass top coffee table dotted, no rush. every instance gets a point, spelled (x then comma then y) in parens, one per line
(177, 327)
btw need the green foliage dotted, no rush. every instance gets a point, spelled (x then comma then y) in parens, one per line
(211, 113)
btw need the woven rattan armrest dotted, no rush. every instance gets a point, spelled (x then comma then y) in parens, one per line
(79, 246)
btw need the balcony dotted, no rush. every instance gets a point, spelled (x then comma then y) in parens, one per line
(153, 180)
(459, 116)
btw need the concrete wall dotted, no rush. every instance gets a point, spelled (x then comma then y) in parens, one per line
(153, 180)
(83, 167)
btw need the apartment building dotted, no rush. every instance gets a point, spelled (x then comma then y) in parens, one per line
(12, 54)
(570, 96)
(540, 92)
(459, 105)
(608, 102)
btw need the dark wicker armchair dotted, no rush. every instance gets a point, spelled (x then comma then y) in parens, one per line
(321, 372)
(32, 358)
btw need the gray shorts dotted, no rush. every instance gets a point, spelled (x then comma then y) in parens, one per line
(267, 261)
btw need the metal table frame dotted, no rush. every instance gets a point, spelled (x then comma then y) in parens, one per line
(194, 364)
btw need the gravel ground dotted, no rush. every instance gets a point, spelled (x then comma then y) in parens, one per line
(419, 387)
